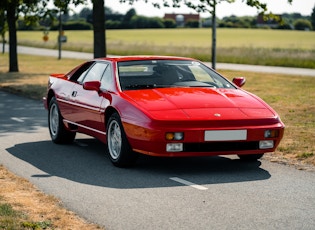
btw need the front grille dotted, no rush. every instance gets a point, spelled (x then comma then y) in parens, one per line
(220, 146)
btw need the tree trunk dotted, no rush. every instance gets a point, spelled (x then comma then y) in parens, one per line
(214, 37)
(99, 29)
(13, 58)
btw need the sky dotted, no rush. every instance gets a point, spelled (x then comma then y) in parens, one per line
(238, 8)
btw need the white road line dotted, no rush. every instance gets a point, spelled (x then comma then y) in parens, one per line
(185, 182)
(17, 119)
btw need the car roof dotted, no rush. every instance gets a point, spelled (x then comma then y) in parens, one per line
(142, 57)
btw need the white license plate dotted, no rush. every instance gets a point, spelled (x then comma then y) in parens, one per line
(225, 135)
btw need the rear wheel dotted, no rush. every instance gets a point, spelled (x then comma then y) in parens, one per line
(250, 157)
(119, 150)
(58, 132)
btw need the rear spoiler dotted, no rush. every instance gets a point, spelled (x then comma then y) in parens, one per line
(59, 75)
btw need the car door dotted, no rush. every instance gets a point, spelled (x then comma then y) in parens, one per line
(65, 98)
(87, 110)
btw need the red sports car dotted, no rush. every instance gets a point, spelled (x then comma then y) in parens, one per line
(160, 106)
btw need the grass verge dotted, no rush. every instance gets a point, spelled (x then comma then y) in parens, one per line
(293, 97)
(243, 46)
(23, 206)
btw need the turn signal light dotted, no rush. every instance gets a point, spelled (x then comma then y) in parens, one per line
(271, 133)
(174, 136)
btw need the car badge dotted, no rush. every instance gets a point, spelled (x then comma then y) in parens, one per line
(217, 115)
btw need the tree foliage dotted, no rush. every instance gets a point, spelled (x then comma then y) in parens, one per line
(200, 5)
(302, 24)
(313, 18)
(32, 11)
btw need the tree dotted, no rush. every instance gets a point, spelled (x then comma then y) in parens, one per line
(127, 19)
(99, 29)
(313, 18)
(302, 24)
(3, 28)
(205, 6)
(10, 7)
(85, 12)
(32, 10)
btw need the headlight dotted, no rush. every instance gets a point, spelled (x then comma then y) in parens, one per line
(174, 136)
(271, 133)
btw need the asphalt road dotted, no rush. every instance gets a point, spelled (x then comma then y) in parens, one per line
(227, 66)
(187, 193)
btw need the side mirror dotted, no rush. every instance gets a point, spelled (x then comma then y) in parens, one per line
(92, 85)
(239, 81)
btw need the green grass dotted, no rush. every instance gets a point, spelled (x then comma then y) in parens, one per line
(226, 38)
(17, 220)
(9, 218)
(246, 46)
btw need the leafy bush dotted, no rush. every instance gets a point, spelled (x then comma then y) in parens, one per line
(169, 23)
(302, 24)
(111, 24)
(146, 22)
(192, 24)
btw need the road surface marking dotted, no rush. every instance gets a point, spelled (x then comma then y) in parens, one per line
(17, 119)
(185, 182)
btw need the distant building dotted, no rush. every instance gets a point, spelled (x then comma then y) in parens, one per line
(181, 19)
(272, 23)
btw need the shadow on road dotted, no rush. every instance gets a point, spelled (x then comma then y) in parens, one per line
(85, 162)
(18, 114)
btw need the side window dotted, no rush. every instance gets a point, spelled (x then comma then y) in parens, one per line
(80, 72)
(107, 81)
(81, 76)
(96, 72)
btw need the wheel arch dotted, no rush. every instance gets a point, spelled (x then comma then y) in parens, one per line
(108, 113)
(50, 95)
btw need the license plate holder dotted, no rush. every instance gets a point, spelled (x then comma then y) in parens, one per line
(225, 135)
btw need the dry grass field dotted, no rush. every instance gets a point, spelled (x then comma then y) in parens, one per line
(23, 206)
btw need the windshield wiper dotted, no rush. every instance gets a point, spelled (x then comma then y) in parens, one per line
(144, 86)
(196, 84)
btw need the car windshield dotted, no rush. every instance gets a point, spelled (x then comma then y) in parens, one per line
(146, 74)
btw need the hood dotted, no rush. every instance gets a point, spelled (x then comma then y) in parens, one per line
(199, 103)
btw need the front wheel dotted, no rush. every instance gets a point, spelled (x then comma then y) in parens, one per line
(58, 132)
(119, 150)
(250, 157)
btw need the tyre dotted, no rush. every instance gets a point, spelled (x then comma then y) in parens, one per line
(250, 157)
(58, 132)
(118, 147)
